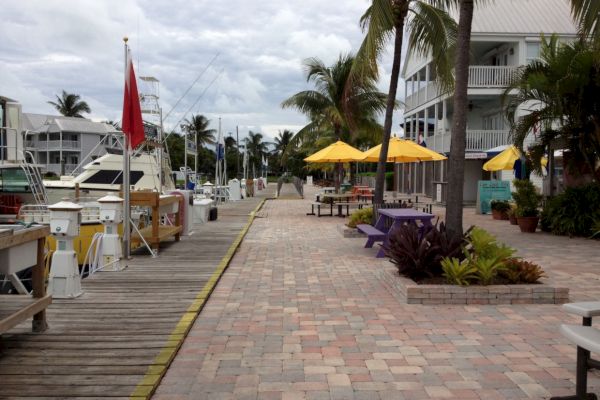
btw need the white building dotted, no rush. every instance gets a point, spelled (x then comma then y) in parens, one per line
(60, 144)
(505, 35)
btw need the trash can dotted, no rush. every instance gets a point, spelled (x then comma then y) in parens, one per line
(212, 215)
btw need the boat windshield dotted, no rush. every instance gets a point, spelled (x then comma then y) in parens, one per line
(13, 180)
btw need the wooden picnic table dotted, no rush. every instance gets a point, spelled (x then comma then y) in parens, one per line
(338, 199)
(399, 216)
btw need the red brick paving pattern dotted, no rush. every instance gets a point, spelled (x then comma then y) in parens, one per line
(300, 314)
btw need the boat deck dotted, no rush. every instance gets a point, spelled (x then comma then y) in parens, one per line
(117, 339)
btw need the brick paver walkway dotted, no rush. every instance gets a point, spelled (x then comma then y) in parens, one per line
(300, 314)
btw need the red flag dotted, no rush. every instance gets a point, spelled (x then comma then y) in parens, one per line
(132, 124)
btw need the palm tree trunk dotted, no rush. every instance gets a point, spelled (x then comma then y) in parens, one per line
(337, 174)
(389, 110)
(456, 161)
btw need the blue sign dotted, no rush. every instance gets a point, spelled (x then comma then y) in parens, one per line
(491, 190)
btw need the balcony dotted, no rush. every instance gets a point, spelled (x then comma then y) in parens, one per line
(53, 145)
(477, 140)
(480, 76)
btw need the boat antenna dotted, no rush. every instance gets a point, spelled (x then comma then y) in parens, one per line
(196, 102)
(191, 86)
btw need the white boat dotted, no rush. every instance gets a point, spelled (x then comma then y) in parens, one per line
(105, 174)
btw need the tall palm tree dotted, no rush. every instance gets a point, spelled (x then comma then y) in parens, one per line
(456, 161)
(282, 142)
(431, 31)
(257, 149)
(197, 126)
(70, 105)
(338, 106)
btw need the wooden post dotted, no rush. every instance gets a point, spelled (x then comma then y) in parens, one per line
(38, 281)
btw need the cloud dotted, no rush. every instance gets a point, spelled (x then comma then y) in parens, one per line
(51, 45)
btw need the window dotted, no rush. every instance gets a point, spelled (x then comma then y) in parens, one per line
(533, 52)
(13, 180)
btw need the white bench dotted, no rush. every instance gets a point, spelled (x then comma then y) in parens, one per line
(587, 340)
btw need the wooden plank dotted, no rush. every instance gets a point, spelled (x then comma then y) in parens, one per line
(102, 343)
(34, 307)
(27, 235)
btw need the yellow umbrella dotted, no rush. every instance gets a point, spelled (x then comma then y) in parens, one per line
(401, 151)
(503, 161)
(338, 152)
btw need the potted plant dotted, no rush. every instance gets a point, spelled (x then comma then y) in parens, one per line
(527, 200)
(500, 209)
(512, 214)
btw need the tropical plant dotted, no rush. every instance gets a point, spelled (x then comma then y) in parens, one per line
(417, 252)
(560, 93)
(336, 104)
(572, 212)
(520, 271)
(587, 14)
(282, 141)
(257, 150)
(197, 128)
(458, 272)
(70, 105)
(487, 269)
(363, 216)
(431, 31)
(486, 255)
(526, 198)
(502, 206)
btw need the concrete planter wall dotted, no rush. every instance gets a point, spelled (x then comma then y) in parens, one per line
(410, 292)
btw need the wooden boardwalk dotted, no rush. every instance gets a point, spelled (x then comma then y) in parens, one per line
(118, 337)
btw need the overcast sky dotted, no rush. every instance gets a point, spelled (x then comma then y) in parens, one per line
(51, 45)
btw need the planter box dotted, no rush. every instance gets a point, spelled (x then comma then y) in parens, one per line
(409, 292)
(350, 232)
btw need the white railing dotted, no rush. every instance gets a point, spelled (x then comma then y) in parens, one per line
(476, 140)
(491, 76)
(54, 144)
(482, 140)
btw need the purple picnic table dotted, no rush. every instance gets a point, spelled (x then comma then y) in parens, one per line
(400, 216)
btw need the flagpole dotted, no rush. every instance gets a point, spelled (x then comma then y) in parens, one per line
(126, 167)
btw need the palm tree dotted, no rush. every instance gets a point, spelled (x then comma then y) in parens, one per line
(257, 149)
(456, 161)
(70, 105)
(338, 106)
(431, 30)
(559, 92)
(197, 126)
(282, 142)
(587, 14)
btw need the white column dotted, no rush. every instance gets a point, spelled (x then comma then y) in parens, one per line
(425, 123)
(426, 82)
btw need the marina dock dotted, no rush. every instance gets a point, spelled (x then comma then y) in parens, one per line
(118, 338)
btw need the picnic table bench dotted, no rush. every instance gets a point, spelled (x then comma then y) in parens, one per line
(373, 234)
(587, 340)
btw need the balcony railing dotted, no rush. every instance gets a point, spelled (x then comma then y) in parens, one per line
(480, 76)
(53, 145)
(491, 76)
(476, 140)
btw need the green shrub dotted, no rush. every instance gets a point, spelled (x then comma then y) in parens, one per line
(573, 212)
(521, 271)
(457, 272)
(526, 198)
(418, 255)
(500, 205)
(363, 216)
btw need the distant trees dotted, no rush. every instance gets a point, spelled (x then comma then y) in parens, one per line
(257, 149)
(70, 105)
